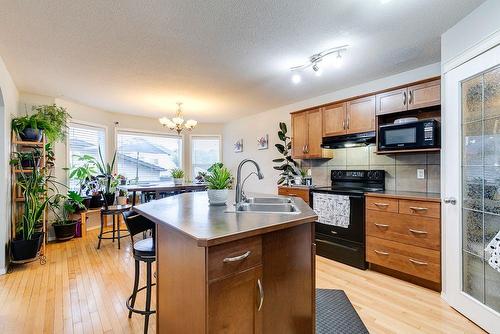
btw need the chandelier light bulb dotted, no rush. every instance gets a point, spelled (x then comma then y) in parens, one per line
(177, 123)
(296, 78)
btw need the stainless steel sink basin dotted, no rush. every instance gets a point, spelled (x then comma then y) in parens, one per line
(268, 200)
(283, 208)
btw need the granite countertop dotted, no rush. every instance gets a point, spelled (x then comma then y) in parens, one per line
(190, 214)
(161, 186)
(434, 197)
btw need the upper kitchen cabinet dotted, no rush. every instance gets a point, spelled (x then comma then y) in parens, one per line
(307, 135)
(334, 119)
(361, 115)
(418, 96)
(424, 95)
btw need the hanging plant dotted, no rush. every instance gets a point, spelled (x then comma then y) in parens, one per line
(287, 165)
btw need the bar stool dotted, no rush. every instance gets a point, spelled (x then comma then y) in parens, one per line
(114, 211)
(143, 250)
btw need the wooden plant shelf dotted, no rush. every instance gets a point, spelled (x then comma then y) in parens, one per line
(29, 143)
(421, 150)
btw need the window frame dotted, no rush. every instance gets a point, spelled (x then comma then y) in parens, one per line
(191, 150)
(153, 133)
(90, 125)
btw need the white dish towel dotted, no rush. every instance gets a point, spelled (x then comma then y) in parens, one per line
(332, 209)
(493, 250)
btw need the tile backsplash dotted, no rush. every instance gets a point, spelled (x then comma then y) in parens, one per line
(400, 169)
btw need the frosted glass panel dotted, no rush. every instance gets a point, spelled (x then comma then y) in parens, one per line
(481, 186)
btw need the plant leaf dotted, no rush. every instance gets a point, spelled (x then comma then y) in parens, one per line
(283, 127)
(279, 160)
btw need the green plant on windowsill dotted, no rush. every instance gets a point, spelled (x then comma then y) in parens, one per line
(177, 175)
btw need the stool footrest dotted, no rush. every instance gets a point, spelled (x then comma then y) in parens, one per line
(143, 312)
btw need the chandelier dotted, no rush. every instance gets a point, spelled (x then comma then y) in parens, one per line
(177, 123)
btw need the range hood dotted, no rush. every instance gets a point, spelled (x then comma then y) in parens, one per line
(354, 140)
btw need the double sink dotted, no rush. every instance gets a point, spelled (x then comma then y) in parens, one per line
(281, 205)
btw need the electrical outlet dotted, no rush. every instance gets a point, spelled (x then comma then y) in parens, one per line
(420, 173)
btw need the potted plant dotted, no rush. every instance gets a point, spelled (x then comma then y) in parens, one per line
(84, 174)
(50, 156)
(63, 208)
(28, 241)
(178, 176)
(26, 160)
(288, 166)
(106, 177)
(218, 181)
(122, 197)
(50, 120)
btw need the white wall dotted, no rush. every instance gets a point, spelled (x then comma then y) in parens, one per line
(8, 106)
(249, 128)
(472, 30)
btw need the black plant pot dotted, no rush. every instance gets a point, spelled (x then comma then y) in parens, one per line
(86, 201)
(30, 163)
(95, 201)
(65, 231)
(110, 199)
(22, 250)
(30, 134)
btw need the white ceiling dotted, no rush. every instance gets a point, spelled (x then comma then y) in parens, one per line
(224, 59)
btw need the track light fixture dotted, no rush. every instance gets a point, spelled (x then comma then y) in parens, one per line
(315, 59)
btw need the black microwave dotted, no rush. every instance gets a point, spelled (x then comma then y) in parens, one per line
(413, 135)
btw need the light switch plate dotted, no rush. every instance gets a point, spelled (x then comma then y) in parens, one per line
(420, 173)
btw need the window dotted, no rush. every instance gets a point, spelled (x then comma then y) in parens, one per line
(84, 140)
(145, 157)
(205, 151)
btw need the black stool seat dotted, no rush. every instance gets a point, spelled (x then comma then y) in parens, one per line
(114, 211)
(144, 248)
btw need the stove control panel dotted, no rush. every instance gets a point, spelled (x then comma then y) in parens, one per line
(358, 175)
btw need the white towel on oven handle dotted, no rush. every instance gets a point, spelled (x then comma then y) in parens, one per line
(493, 250)
(332, 209)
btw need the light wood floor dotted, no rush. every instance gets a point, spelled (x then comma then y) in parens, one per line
(83, 290)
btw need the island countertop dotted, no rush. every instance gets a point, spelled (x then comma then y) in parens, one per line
(209, 225)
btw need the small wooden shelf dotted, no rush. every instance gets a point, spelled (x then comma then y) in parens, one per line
(28, 143)
(420, 150)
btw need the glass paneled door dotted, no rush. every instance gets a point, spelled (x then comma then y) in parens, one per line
(471, 175)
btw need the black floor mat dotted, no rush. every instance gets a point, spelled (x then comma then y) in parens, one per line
(336, 315)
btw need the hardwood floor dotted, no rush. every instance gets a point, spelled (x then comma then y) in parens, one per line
(83, 290)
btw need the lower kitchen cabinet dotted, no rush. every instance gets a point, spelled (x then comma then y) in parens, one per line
(235, 303)
(403, 237)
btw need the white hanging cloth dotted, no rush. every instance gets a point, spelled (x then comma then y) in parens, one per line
(493, 250)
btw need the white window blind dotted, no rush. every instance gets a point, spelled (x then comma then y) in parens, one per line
(84, 140)
(147, 157)
(205, 151)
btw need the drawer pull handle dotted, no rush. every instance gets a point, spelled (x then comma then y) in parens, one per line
(381, 225)
(417, 231)
(381, 205)
(418, 262)
(291, 194)
(418, 209)
(380, 252)
(334, 232)
(237, 258)
(261, 294)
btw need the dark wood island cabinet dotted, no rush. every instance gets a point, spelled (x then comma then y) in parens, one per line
(227, 272)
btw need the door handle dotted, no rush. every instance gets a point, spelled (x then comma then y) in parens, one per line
(420, 263)
(410, 99)
(417, 209)
(261, 294)
(343, 124)
(417, 231)
(380, 252)
(450, 200)
(404, 98)
(381, 205)
(348, 121)
(381, 225)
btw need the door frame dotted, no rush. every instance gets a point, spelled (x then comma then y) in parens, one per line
(451, 158)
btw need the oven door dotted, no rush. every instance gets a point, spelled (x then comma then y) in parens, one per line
(332, 220)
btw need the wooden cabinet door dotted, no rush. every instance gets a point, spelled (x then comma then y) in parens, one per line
(235, 303)
(393, 101)
(314, 134)
(424, 95)
(299, 134)
(361, 115)
(334, 120)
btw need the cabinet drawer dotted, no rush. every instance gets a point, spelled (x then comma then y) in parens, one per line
(295, 192)
(382, 204)
(412, 230)
(412, 260)
(233, 257)
(420, 208)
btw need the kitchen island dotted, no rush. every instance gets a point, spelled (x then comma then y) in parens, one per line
(228, 272)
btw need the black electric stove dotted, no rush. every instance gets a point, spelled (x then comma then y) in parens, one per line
(340, 229)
